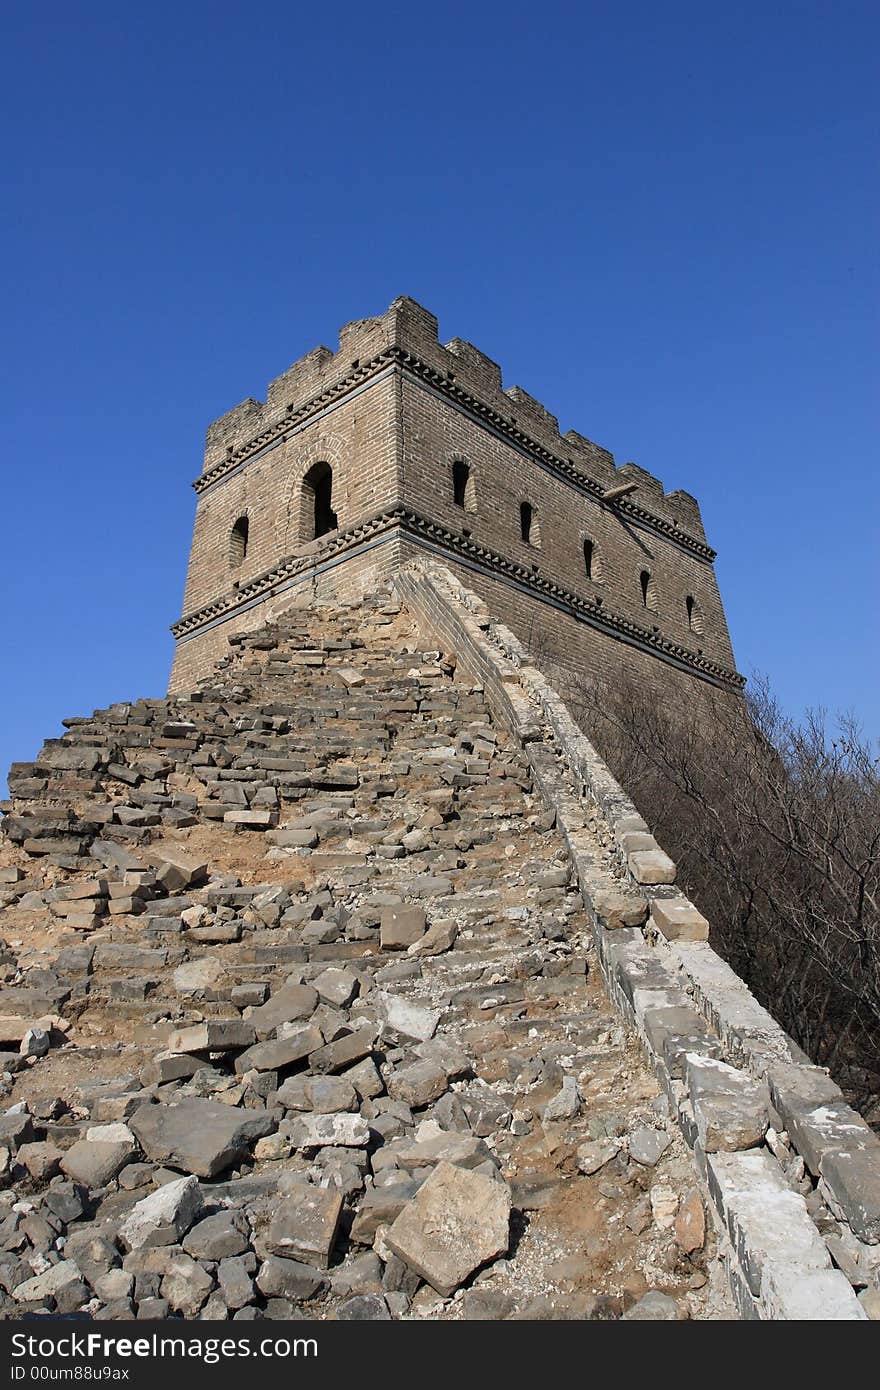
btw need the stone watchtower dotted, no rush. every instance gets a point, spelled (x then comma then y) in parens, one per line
(394, 448)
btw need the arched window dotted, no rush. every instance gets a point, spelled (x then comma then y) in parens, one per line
(592, 560)
(463, 494)
(649, 592)
(694, 615)
(318, 514)
(529, 528)
(238, 542)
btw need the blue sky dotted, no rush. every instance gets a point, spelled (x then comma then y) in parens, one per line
(661, 220)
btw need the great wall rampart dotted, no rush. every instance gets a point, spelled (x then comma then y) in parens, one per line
(346, 981)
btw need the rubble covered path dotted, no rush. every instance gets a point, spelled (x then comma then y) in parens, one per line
(301, 1019)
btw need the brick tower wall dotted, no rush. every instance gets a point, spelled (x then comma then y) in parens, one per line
(393, 414)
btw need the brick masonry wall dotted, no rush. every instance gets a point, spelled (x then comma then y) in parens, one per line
(434, 435)
(390, 412)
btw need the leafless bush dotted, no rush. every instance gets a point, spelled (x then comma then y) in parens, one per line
(775, 826)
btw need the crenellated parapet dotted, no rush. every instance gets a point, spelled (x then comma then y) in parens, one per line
(396, 443)
(405, 338)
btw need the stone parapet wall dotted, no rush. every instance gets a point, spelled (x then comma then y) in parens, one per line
(793, 1173)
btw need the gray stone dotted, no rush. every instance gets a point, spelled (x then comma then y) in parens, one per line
(364, 1307)
(214, 1035)
(655, 1306)
(289, 1278)
(456, 1222)
(315, 1131)
(115, 1284)
(324, 1094)
(337, 987)
(194, 976)
(186, 1285)
(651, 866)
(163, 1217)
(401, 926)
(236, 1284)
(95, 1164)
(286, 1005)
(418, 1084)
(619, 909)
(94, 1254)
(647, 1145)
(409, 1020)
(731, 1108)
(217, 1237)
(198, 1136)
(305, 1224)
(678, 920)
(58, 1282)
(565, 1104)
(276, 1053)
(594, 1154)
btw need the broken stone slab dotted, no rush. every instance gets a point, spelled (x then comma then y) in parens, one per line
(365, 1079)
(176, 868)
(61, 1282)
(213, 1035)
(767, 1222)
(678, 920)
(619, 909)
(675, 1031)
(41, 1159)
(163, 1217)
(731, 1108)
(115, 856)
(594, 1154)
(439, 937)
(236, 1284)
(456, 1222)
(380, 1206)
(95, 1163)
(401, 926)
(339, 1129)
(305, 1224)
(418, 1084)
(651, 866)
(286, 1005)
(410, 1020)
(816, 1295)
(566, 1104)
(285, 1278)
(336, 987)
(327, 1095)
(461, 1150)
(342, 1052)
(199, 1136)
(647, 1145)
(169, 1066)
(837, 1145)
(186, 1285)
(851, 1179)
(251, 820)
(277, 1053)
(218, 1237)
(195, 976)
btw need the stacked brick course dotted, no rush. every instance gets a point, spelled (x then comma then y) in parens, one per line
(391, 413)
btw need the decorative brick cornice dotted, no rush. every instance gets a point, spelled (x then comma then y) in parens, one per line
(420, 529)
(439, 382)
